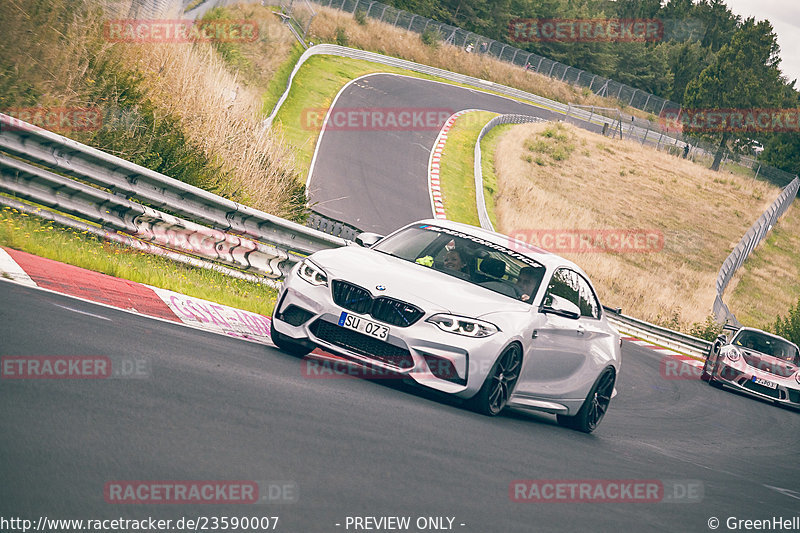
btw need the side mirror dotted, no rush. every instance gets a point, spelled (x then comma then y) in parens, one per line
(367, 239)
(560, 306)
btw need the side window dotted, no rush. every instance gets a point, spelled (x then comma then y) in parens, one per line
(564, 284)
(588, 304)
(572, 286)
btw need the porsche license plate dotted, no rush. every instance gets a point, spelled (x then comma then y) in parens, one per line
(765, 383)
(362, 325)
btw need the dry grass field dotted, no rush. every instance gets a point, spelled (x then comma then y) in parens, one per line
(220, 110)
(558, 177)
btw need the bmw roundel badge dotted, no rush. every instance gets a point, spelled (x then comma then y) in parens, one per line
(380, 287)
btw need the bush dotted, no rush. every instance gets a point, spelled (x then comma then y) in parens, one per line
(341, 37)
(361, 17)
(708, 330)
(789, 327)
(431, 37)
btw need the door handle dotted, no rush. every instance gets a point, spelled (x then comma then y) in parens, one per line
(581, 330)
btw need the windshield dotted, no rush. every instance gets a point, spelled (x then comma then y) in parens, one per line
(467, 257)
(767, 344)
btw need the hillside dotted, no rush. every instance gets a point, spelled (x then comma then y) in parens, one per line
(558, 177)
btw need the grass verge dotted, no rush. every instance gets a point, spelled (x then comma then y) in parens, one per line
(457, 175)
(769, 281)
(47, 239)
(488, 150)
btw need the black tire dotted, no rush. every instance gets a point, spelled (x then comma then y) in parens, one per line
(706, 375)
(287, 344)
(708, 371)
(499, 384)
(594, 407)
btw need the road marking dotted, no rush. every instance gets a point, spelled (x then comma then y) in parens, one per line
(786, 492)
(82, 312)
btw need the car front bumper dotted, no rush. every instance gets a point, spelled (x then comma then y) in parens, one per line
(443, 361)
(740, 377)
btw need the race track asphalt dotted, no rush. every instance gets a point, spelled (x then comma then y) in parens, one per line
(217, 408)
(377, 179)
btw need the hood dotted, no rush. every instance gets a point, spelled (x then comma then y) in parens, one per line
(768, 363)
(430, 289)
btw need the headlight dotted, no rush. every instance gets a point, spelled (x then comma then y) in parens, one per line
(469, 327)
(312, 273)
(797, 377)
(734, 354)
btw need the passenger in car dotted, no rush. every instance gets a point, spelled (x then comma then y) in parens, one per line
(455, 260)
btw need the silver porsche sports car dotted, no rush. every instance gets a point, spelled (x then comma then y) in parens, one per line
(461, 310)
(756, 362)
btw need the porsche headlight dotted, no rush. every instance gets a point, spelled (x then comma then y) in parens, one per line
(312, 273)
(797, 377)
(469, 327)
(734, 354)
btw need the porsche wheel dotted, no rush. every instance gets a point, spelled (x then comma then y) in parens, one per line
(594, 408)
(708, 370)
(499, 384)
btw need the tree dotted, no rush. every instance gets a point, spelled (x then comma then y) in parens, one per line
(782, 150)
(744, 75)
(686, 61)
(789, 327)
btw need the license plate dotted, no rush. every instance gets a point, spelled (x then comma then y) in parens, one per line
(765, 383)
(362, 325)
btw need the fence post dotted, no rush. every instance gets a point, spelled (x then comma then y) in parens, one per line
(540, 63)
(410, 22)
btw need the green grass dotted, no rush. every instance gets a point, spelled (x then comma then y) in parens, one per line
(277, 84)
(47, 239)
(488, 149)
(753, 298)
(457, 167)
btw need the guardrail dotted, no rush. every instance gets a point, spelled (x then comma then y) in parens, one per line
(483, 215)
(545, 103)
(757, 232)
(680, 342)
(100, 187)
